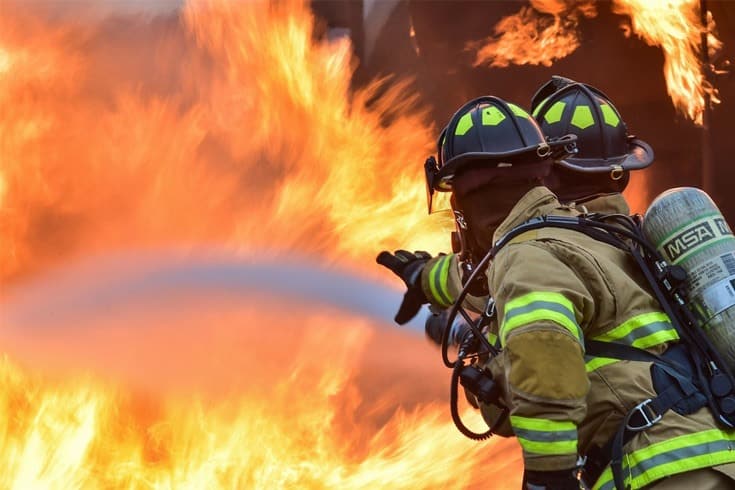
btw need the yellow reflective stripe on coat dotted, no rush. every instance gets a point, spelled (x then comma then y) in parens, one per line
(672, 456)
(545, 437)
(643, 331)
(594, 363)
(538, 307)
(438, 281)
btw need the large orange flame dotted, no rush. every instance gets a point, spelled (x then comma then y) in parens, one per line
(546, 31)
(299, 416)
(255, 140)
(538, 34)
(675, 26)
(229, 126)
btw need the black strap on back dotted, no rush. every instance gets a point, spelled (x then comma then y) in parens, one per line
(711, 375)
(665, 282)
(645, 414)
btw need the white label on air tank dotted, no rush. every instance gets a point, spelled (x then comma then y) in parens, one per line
(715, 269)
(717, 298)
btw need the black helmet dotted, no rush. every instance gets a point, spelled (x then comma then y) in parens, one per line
(555, 84)
(489, 132)
(603, 142)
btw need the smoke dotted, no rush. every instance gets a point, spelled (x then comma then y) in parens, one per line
(92, 10)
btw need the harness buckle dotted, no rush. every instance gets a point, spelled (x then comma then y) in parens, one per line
(648, 414)
(490, 307)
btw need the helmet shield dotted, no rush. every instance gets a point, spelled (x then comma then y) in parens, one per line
(437, 201)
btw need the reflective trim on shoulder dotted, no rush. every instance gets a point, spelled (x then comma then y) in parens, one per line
(545, 437)
(438, 281)
(672, 456)
(642, 331)
(537, 307)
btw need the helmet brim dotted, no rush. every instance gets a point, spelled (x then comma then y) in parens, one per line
(639, 155)
(552, 150)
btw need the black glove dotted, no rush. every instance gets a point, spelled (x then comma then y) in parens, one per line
(407, 266)
(551, 480)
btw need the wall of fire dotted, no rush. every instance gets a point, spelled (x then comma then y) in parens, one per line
(625, 68)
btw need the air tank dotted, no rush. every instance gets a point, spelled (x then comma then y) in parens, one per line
(687, 228)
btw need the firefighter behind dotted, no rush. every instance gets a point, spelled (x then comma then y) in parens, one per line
(553, 289)
(594, 178)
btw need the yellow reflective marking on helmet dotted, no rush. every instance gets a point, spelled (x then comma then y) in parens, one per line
(553, 115)
(518, 111)
(492, 116)
(582, 117)
(609, 115)
(463, 125)
(540, 106)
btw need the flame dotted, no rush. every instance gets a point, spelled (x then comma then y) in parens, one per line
(255, 139)
(306, 423)
(675, 26)
(537, 35)
(546, 31)
(228, 125)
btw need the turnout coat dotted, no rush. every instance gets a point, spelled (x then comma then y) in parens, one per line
(553, 289)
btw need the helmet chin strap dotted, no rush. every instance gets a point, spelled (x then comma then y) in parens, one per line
(470, 254)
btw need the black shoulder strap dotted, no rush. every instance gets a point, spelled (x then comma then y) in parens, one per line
(615, 350)
(592, 226)
(665, 282)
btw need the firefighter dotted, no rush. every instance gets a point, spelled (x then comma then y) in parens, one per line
(594, 178)
(553, 290)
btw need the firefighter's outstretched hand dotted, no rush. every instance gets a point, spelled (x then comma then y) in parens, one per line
(408, 267)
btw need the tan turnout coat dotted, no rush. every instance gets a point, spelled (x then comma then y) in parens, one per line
(554, 288)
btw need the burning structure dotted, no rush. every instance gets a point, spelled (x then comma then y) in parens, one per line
(238, 125)
(645, 55)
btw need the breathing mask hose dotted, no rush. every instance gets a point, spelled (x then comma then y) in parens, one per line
(457, 307)
(454, 407)
(458, 366)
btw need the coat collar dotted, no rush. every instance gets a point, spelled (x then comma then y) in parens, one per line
(539, 201)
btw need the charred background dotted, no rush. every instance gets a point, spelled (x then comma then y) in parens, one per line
(625, 68)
